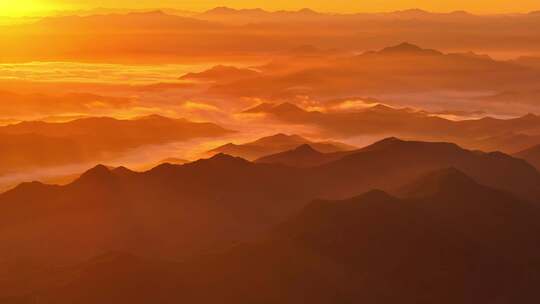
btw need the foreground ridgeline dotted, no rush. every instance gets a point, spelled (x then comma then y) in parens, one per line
(449, 225)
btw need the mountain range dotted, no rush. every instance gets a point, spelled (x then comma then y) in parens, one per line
(488, 133)
(531, 155)
(399, 163)
(203, 34)
(303, 156)
(216, 202)
(39, 104)
(445, 239)
(89, 139)
(277, 143)
(402, 68)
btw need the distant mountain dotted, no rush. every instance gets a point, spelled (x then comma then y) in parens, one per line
(304, 156)
(257, 16)
(528, 61)
(123, 22)
(404, 68)
(406, 72)
(224, 34)
(512, 98)
(105, 131)
(31, 144)
(435, 247)
(275, 144)
(531, 155)
(511, 143)
(42, 105)
(220, 73)
(406, 48)
(486, 133)
(22, 151)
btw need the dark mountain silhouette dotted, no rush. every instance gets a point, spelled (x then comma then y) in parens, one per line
(211, 204)
(303, 156)
(174, 161)
(457, 243)
(437, 182)
(205, 203)
(531, 155)
(169, 160)
(275, 144)
(394, 160)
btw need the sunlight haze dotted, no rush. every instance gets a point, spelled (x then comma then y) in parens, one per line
(33, 7)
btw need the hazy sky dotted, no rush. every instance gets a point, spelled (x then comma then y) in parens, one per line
(22, 7)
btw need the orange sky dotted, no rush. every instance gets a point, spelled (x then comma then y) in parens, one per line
(32, 7)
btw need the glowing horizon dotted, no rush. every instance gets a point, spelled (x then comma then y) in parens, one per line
(47, 7)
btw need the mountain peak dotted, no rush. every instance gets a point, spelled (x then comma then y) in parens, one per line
(381, 108)
(152, 117)
(529, 116)
(148, 13)
(226, 158)
(307, 11)
(287, 107)
(412, 12)
(282, 137)
(325, 208)
(406, 48)
(122, 171)
(96, 174)
(221, 10)
(27, 187)
(306, 148)
(387, 141)
(375, 195)
(281, 108)
(450, 174)
(224, 10)
(260, 108)
(303, 156)
(98, 169)
(447, 180)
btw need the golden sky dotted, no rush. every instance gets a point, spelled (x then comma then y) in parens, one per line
(33, 7)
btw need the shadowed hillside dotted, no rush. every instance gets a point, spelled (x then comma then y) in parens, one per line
(216, 202)
(457, 242)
